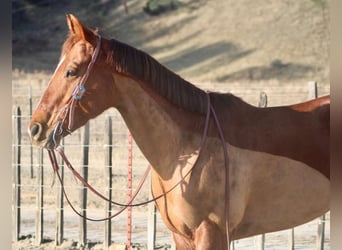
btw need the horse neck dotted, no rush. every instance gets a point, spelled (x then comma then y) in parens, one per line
(156, 125)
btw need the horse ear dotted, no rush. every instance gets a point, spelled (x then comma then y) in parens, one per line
(78, 29)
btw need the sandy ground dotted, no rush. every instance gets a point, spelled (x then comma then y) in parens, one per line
(243, 47)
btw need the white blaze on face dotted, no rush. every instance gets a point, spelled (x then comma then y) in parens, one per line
(58, 66)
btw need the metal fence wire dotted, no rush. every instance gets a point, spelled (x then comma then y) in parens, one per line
(104, 152)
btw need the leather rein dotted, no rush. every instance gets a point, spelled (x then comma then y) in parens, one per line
(69, 111)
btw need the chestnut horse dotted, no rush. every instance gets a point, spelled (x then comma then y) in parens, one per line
(278, 156)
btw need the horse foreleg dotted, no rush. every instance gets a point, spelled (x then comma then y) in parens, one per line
(208, 236)
(183, 243)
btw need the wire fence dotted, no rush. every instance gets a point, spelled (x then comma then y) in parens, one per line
(33, 175)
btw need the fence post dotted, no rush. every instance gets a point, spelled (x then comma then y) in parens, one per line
(31, 146)
(320, 233)
(260, 242)
(262, 100)
(262, 104)
(291, 239)
(40, 199)
(313, 93)
(312, 90)
(151, 226)
(16, 186)
(83, 192)
(108, 176)
(129, 192)
(60, 207)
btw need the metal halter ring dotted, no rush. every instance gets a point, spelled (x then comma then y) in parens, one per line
(78, 92)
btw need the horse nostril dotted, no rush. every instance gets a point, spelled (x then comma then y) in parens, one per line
(35, 130)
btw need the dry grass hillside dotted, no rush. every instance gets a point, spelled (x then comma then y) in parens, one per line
(203, 41)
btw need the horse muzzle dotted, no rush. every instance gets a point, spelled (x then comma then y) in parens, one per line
(43, 137)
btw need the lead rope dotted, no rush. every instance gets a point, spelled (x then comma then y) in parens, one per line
(55, 167)
(226, 162)
(129, 204)
(70, 108)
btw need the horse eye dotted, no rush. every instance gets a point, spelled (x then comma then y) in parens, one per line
(70, 73)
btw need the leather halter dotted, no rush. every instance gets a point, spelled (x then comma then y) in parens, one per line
(77, 95)
(69, 110)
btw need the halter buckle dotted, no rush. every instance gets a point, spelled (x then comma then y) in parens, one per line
(78, 92)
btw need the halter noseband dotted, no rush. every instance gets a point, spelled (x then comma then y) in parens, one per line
(77, 95)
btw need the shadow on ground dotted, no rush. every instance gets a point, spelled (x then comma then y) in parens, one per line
(39, 33)
(277, 69)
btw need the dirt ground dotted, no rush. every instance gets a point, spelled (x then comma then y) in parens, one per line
(242, 47)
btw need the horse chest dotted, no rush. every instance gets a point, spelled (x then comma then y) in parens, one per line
(197, 198)
(183, 217)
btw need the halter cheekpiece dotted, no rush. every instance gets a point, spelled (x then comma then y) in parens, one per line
(76, 95)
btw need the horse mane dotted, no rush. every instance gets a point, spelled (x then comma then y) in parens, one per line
(139, 65)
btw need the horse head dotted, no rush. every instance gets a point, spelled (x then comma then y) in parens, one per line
(78, 88)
